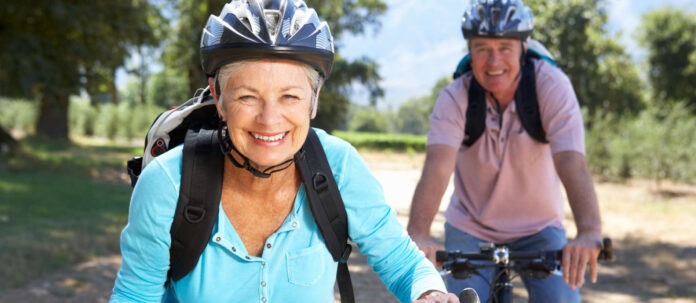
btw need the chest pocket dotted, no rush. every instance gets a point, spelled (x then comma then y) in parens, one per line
(306, 266)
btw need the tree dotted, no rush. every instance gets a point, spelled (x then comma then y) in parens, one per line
(168, 88)
(369, 119)
(413, 116)
(352, 16)
(668, 34)
(603, 77)
(50, 48)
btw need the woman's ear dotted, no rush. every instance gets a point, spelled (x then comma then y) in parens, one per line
(218, 104)
(315, 104)
(211, 84)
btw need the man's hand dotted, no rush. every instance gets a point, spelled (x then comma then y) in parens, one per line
(429, 247)
(437, 297)
(576, 254)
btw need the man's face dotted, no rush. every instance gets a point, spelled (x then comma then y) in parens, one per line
(495, 63)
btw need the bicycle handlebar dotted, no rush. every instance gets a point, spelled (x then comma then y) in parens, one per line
(490, 252)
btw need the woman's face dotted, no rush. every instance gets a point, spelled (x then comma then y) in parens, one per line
(267, 108)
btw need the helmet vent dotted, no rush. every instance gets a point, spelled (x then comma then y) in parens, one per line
(298, 21)
(511, 12)
(495, 17)
(272, 23)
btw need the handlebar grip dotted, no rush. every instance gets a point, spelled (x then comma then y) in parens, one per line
(469, 295)
(607, 252)
(441, 256)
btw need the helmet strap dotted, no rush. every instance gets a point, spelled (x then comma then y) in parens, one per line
(226, 147)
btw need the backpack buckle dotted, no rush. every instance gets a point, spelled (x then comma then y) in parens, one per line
(320, 182)
(346, 253)
(194, 214)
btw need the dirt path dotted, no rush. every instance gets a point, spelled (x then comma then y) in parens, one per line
(655, 246)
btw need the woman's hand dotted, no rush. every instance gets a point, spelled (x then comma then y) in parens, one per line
(437, 297)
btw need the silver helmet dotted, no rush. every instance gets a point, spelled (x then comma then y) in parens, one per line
(498, 19)
(249, 29)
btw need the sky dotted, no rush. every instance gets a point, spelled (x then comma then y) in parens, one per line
(418, 44)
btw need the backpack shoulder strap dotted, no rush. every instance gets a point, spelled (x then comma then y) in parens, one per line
(475, 113)
(527, 103)
(327, 208)
(199, 199)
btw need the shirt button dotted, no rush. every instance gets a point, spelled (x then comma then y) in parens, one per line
(268, 245)
(263, 299)
(263, 283)
(217, 239)
(247, 257)
(294, 224)
(234, 249)
(263, 263)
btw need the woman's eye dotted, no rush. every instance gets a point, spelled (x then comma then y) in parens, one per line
(291, 97)
(246, 98)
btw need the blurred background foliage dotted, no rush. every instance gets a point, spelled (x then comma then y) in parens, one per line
(639, 115)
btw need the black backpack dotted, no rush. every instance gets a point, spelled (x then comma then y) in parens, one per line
(525, 98)
(194, 123)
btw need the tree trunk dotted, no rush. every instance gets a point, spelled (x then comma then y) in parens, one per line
(113, 91)
(8, 145)
(53, 114)
(196, 78)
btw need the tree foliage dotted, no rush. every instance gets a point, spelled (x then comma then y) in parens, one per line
(52, 47)
(343, 16)
(574, 31)
(413, 115)
(669, 34)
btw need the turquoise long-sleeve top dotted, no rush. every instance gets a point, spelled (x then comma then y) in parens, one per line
(295, 265)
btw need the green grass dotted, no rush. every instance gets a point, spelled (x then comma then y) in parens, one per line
(383, 141)
(60, 204)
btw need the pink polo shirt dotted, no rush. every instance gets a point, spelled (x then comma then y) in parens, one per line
(506, 185)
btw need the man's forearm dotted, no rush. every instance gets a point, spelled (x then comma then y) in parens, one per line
(580, 190)
(425, 204)
(437, 170)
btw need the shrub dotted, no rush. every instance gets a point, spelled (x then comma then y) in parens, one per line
(18, 115)
(383, 141)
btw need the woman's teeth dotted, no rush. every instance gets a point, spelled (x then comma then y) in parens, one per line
(269, 138)
(495, 73)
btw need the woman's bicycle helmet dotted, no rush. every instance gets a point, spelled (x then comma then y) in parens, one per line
(249, 29)
(498, 19)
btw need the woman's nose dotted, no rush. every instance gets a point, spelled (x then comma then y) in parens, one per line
(271, 113)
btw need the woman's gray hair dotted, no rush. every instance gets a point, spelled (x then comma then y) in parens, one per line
(315, 79)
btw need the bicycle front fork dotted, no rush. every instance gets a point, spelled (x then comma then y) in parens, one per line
(502, 290)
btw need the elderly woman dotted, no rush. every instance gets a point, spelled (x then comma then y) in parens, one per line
(266, 62)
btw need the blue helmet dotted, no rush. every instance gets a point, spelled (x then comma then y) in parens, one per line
(498, 19)
(250, 29)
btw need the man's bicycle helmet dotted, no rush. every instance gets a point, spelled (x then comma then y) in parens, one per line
(249, 29)
(498, 19)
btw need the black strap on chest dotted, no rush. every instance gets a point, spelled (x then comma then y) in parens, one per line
(525, 100)
(199, 202)
(199, 199)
